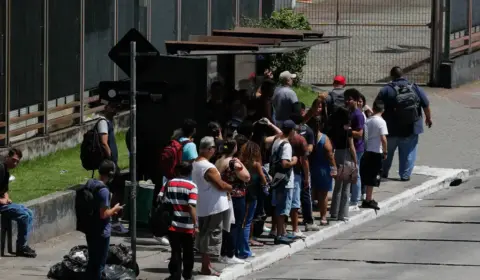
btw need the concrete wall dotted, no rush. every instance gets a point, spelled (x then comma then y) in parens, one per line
(460, 70)
(62, 139)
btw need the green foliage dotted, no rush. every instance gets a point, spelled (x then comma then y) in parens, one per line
(285, 19)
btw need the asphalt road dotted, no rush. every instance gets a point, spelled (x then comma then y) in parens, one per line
(435, 238)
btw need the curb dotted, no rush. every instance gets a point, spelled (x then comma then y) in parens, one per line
(387, 206)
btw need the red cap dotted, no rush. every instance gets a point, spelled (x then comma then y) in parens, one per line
(252, 75)
(340, 80)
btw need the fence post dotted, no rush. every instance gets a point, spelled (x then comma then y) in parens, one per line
(149, 20)
(179, 20)
(260, 8)
(44, 118)
(435, 41)
(237, 12)
(446, 35)
(470, 24)
(209, 17)
(82, 62)
(8, 4)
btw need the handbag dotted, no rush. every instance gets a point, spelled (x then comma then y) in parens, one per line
(347, 171)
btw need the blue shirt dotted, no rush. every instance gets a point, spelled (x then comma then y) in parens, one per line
(387, 94)
(189, 150)
(102, 198)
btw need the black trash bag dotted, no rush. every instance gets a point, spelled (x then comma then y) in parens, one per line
(122, 255)
(56, 272)
(118, 272)
(74, 267)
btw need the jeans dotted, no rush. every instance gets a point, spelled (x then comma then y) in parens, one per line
(357, 188)
(181, 242)
(243, 247)
(340, 197)
(24, 218)
(306, 199)
(97, 256)
(407, 154)
(239, 209)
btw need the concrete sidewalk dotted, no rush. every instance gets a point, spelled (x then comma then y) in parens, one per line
(153, 259)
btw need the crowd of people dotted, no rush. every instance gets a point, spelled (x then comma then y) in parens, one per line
(266, 154)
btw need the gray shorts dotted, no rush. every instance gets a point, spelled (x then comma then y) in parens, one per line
(209, 238)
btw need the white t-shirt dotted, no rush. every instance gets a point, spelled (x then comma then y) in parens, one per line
(286, 155)
(375, 127)
(210, 200)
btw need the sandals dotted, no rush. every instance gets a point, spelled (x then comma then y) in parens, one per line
(324, 223)
(254, 243)
(212, 272)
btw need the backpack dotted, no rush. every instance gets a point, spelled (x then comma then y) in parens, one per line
(280, 175)
(337, 100)
(171, 156)
(86, 207)
(161, 216)
(91, 150)
(407, 103)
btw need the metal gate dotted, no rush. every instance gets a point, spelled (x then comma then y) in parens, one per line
(383, 34)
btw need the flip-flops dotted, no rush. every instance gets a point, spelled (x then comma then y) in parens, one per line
(213, 272)
(254, 243)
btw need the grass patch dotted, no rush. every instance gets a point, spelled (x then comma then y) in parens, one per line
(55, 172)
(305, 94)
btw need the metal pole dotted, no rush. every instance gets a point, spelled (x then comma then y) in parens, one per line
(133, 152)
(446, 36)
(470, 25)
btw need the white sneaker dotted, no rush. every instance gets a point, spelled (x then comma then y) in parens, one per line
(364, 196)
(353, 208)
(298, 234)
(266, 229)
(233, 260)
(312, 227)
(162, 240)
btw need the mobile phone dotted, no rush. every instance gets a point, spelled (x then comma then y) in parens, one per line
(123, 205)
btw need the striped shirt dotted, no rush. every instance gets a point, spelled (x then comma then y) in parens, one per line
(181, 193)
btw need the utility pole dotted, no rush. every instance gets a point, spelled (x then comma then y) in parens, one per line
(133, 152)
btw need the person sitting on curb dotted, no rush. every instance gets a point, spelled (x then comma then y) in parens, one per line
(17, 212)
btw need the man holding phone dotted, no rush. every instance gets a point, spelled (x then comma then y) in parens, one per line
(98, 240)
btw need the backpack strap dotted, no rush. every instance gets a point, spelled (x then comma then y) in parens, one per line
(185, 142)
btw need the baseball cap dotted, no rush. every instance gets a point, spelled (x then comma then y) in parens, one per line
(287, 75)
(340, 80)
(289, 124)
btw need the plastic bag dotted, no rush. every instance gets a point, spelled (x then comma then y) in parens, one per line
(118, 272)
(122, 255)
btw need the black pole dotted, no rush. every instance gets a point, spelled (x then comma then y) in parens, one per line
(133, 152)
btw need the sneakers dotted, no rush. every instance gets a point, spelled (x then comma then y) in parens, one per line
(162, 240)
(364, 196)
(296, 235)
(283, 240)
(233, 260)
(26, 252)
(312, 227)
(266, 229)
(372, 204)
(353, 208)
(118, 228)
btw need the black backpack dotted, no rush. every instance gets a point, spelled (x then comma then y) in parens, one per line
(91, 150)
(86, 207)
(161, 215)
(337, 100)
(407, 103)
(280, 175)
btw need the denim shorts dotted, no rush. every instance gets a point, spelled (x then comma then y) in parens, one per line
(282, 201)
(297, 189)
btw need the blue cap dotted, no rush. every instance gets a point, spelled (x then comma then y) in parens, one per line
(289, 124)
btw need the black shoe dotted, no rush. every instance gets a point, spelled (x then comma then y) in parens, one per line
(405, 179)
(372, 204)
(26, 252)
(283, 240)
